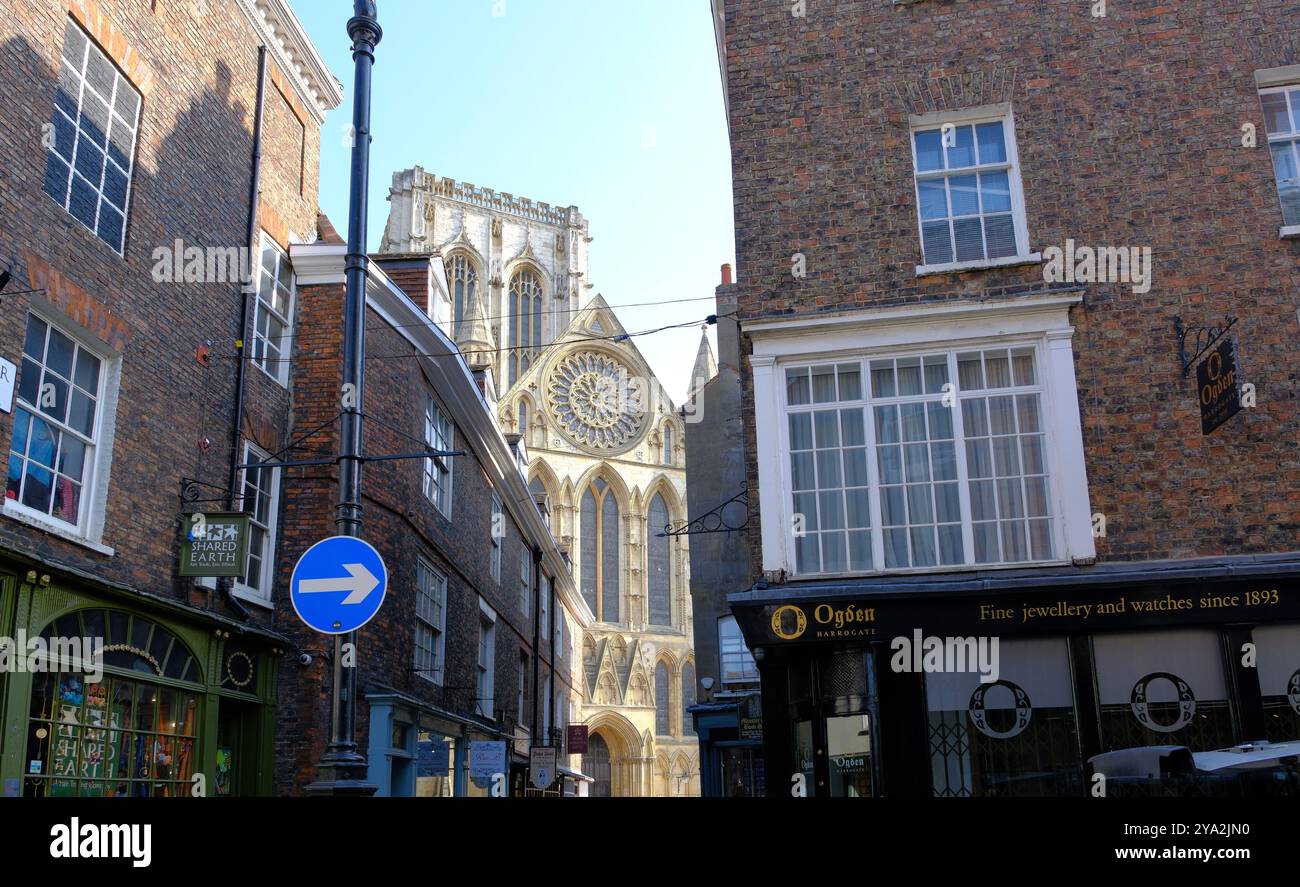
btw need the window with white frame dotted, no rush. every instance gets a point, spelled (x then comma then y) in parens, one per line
(738, 666)
(438, 436)
(498, 533)
(1282, 122)
(485, 675)
(262, 502)
(57, 428)
(558, 652)
(920, 461)
(91, 158)
(430, 622)
(968, 191)
(525, 578)
(273, 316)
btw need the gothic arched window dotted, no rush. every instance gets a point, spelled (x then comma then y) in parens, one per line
(463, 277)
(668, 445)
(523, 419)
(525, 321)
(658, 564)
(662, 691)
(688, 697)
(599, 536)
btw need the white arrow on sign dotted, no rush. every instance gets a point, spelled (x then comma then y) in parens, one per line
(359, 586)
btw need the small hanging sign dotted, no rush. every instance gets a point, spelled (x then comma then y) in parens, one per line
(1218, 386)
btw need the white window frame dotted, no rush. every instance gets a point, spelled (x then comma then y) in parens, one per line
(439, 629)
(1282, 84)
(544, 592)
(264, 304)
(242, 590)
(1041, 320)
(437, 424)
(92, 512)
(485, 685)
(498, 521)
(970, 117)
(120, 81)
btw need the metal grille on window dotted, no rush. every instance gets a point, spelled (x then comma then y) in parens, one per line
(96, 115)
(842, 674)
(52, 448)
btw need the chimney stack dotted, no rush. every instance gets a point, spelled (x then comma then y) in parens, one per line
(726, 275)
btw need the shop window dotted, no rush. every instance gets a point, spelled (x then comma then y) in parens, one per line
(90, 163)
(1163, 688)
(1278, 651)
(124, 736)
(1017, 736)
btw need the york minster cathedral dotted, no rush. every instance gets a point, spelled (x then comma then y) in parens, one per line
(611, 479)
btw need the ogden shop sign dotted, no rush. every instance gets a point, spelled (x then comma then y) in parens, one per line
(1218, 386)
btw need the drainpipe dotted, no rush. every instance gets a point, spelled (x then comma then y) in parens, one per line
(537, 629)
(241, 365)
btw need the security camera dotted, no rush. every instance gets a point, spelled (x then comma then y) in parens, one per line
(304, 659)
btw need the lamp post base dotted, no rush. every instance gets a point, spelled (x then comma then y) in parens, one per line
(342, 779)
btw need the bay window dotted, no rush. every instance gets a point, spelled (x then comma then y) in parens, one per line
(910, 438)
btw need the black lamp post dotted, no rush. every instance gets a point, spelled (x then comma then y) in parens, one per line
(343, 770)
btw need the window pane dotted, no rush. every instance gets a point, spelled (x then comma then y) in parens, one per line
(1000, 234)
(995, 192)
(970, 372)
(796, 382)
(909, 376)
(992, 142)
(1276, 118)
(882, 378)
(934, 199)
(964, 193)
(969, 237)
(1288, 181)
(936, 243)
(854, 433)
(828, 429)
(823, 384)
(850, 382)
(963, 153)
(929, 150)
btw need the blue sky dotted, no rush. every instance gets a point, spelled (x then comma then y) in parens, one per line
(612, 105)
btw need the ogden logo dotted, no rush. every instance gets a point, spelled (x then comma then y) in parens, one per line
(789, 622)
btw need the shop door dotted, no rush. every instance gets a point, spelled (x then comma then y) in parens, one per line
(237, 746)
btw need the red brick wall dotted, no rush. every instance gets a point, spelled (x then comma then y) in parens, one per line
(198, 73)
(1129, 133)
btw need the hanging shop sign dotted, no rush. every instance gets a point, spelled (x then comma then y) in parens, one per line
(541, 766)
(214, 544)
(576, 742)
(1218, 386)
(8, 373)
(751, 729)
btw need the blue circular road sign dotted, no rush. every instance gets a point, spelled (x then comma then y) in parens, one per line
(338, 585)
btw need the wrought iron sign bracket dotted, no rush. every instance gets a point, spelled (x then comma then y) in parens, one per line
(714, 521)
(192, 492)
(1203, 338)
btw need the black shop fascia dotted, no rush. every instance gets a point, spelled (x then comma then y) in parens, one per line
(1097, 658)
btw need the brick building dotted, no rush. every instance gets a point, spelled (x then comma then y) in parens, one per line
(971, 237)
(130, 150)
(477, 638)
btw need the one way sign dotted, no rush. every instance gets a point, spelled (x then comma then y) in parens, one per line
(338, 585)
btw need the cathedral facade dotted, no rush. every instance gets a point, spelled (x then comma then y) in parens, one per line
(606, 456)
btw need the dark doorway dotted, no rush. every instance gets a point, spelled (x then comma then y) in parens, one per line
(595, 763)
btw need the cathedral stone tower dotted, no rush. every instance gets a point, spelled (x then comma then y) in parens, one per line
(606, 454)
